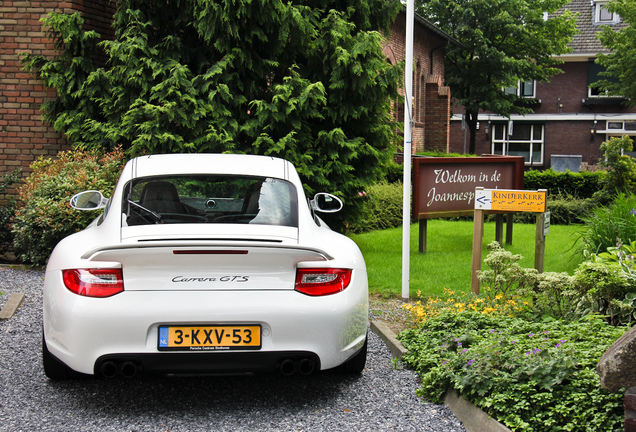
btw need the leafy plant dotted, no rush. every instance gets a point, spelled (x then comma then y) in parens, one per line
(555, 297)
(505, 275)
(621, 169)
(604, 283)
(44, 215)
(7, 211)
(614, 292)
(618, 58)
(610, 225)
(529, 376)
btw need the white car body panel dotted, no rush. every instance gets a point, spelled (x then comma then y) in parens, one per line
(204, 274)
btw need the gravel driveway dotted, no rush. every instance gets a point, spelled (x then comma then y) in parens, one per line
(381, 399)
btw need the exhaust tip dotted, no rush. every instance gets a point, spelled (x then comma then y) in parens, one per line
(288, 367)
(128, 369)
(306, 366)
(109, 369)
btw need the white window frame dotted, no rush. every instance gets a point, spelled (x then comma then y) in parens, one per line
(517, 90)
(620, 130)
(505, 142)
(599, 7)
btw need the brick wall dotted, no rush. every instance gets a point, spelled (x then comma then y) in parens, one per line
(437, 111)
(23, 135)
(431, 104)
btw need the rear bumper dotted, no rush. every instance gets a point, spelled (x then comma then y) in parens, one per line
(287, 362)
(84, 332)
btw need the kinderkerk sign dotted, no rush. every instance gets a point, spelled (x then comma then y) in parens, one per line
(445, 186)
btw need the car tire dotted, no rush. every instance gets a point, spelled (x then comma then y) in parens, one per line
(355, 365)
(54, 369)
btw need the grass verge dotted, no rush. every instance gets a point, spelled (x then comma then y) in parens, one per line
(448, 260)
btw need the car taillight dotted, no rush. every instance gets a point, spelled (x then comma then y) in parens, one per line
(320, 282)
(94, 282)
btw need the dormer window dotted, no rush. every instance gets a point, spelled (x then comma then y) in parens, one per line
(602, 15)
(524, 89)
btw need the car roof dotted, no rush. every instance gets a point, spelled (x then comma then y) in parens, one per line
(210, 163)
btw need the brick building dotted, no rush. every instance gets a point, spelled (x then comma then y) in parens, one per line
(24, 137)
(570, 119)
(431, 99)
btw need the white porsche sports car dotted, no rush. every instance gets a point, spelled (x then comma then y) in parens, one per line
(205, 263)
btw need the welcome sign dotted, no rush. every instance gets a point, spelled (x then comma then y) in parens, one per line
(445, 186)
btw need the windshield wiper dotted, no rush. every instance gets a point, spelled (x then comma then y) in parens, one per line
(156, 216)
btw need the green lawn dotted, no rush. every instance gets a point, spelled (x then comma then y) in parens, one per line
(447, 262)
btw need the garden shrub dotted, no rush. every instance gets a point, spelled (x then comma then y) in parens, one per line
(44, 216)
(554, 297)
(607, 226)
(505, 276)
(567, 209)
(7, 211)
(529, 376)
(564, 210)
(579, 185)
(382, 208)
(608, 280)
(621, 168)
(394, 172)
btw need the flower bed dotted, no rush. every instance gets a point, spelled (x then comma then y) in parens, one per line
(529, 376)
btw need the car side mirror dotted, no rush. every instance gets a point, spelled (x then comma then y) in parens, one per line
(89, 200)
(326, 203)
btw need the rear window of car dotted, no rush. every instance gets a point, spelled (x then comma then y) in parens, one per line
(210, 199)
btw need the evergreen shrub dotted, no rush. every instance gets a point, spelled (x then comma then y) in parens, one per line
(579, 185)
(43, 216)
(382, 208)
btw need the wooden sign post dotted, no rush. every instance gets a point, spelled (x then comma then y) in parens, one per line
(508, 200)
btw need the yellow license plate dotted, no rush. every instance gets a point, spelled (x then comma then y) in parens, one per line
(209, 338)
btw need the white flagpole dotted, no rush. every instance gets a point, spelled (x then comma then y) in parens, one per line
(408, 110)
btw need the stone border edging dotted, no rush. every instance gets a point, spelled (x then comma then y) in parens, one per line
(473, 418)
(27, 267)
(14, 302)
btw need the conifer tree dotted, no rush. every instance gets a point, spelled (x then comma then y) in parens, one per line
(302, 80)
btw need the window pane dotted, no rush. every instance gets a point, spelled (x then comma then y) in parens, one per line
(520, 131)
(520, 149)
(499, 131)
(615, 125)
(527, 89)
(604, 14)
(510, 90)
(537, 154)
(630, 125)
(538, 132)
(210, 199)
